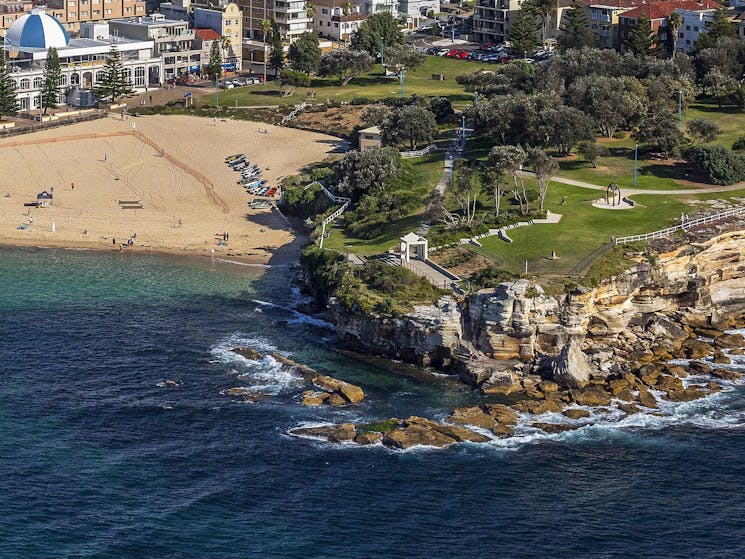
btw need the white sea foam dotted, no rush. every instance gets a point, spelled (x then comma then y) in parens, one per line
(310, 320)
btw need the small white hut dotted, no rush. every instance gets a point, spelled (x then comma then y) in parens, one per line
(44, 199)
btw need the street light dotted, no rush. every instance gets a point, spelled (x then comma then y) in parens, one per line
(403, 78)
(382, 58)
(636, 153)
(680, 109)
(217, 90)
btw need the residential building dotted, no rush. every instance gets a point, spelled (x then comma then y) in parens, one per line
(657, 13)
(71, 13)
(227, 21)
(173, 40)
(337, 19)
(491, 20)
(418, 8)
(695, 22)
(380, 6)
(291, 17)
(604, 21)
(82, 60)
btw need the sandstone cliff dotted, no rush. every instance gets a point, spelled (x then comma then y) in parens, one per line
(638, 316)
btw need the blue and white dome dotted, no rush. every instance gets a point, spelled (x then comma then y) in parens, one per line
(36, 29)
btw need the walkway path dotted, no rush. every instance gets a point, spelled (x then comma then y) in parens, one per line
(424, 269)
(634, 191)
(442, 184)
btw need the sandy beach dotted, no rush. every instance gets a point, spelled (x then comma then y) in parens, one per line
(188, 197)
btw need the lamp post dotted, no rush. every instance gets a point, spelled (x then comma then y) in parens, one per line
(680, 109)
(403, 78)
(451, 168)
(636, 153)
(463, 132)
(217, 90)
(382, 56)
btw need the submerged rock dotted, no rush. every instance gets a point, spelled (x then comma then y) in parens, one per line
(313, 398)
(576, 414)
(332, 433)
(247, 352)
(473, 416)
(554, 428)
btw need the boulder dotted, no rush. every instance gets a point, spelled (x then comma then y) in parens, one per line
(247, 352)
(502, 382)
(547, 386)
(503, 414)
(312, 398)
(555, 427)
(336, 400)
(576, 414)
(618, 385)
(368, 438)
(571, 369)
(473, 415)
(721, 359)
(327, 383)
(676, 370)
(629, 408)
(730, 341)
(537, 407)
(726, 374)
(416, 435)
(332, 433)
(699, 367)
(591, 396)
(696, 349)
(503, 431)
(351, 392)
(687, 394)
(645, 398)
(626, 395)
(667, 382)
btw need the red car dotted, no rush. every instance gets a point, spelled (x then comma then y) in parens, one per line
(463, 54)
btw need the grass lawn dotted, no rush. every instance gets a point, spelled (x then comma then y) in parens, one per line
(428, 171)
(371, 85)
(583, 228)
(729, 119)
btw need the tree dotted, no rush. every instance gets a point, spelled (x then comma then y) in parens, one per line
(305, 54)
(376, 27)
(575, 32)
(720, 27)
(659, 132)
(590, 151)
(613, 102)
(523, 30)
(562, 127)
(403, 56)
(702, 130)
(375, 115)
(641, 41)
(544, 168)
(719, 164)
(276, 49)
(674, 23)
(293, 78)
(52, 78)
(213, 69)
(465, 190)
(510, 160)
(739, 144)
(345, 64)
(720, 86)
(359, 172)
(442, 108)
(115, 83)
(8, 101)
(411, 123)
(545, 9)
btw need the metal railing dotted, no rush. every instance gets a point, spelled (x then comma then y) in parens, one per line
(419, 152)
(336, 213)
(296, 111)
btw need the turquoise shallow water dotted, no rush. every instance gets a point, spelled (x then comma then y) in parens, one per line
(98, 458)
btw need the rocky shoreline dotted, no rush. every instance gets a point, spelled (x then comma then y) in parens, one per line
(633, 342)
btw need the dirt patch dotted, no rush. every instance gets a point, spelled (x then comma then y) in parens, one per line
(461, 261)
(340, 121)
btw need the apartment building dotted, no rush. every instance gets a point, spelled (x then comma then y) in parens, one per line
(695, 22)
(337, 19)
(173, 40)
(227, 21)
(491, 20)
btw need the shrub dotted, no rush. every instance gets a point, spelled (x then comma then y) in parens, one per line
(719, 164)
(360, 101)
(294, 78)
(739, 144)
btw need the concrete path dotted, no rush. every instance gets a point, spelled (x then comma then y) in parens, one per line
(422, 268)
(633, 191)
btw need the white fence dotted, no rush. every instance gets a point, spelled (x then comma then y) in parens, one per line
(296, 111)
(336, 213)
(419, 153)
(683, 225)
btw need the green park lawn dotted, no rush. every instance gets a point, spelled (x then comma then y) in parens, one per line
(584, 228)
(371, 85)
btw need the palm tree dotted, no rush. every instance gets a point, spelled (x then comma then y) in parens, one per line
(545, 8)
(674, 22)
(266, 27)
(347, 7)
(310, 10)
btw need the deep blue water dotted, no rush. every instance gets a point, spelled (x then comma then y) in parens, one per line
(98, 458)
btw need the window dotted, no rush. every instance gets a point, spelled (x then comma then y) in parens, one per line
(74, 79)
(688, 42)
(25, 83)
(127, 10)
(695, 27)
(688, 27)
(96, 12)
(140, 75)
(63, 79)
(71, 3)
(107, 11)
(71, 15)
(680, 35)
(84, 13)
(100, 75)
(38, 82)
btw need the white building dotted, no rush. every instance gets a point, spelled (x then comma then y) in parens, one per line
(417, 8)
(336, 19)
(81, 60)
(695, 22)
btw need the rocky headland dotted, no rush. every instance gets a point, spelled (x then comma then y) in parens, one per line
(656, 331)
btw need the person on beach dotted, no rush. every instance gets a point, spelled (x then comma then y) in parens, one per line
(113, 241)
(72, 185)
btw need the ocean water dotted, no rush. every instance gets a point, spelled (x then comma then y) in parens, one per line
(99, 457)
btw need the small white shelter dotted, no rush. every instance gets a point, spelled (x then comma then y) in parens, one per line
(419, 245)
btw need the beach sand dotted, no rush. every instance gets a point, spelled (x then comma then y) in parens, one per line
(189, 197)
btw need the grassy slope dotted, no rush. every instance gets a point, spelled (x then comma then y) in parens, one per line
(584, 228)
(371, 85)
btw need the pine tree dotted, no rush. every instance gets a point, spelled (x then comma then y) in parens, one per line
(114, 83)
(523, 31)
(213, 69)
(52, 78)
(276, 52)
(641, 41)
(8, 100)
(575, 29)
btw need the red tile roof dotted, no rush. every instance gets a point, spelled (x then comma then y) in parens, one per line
(206, 34)
(662, 9)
